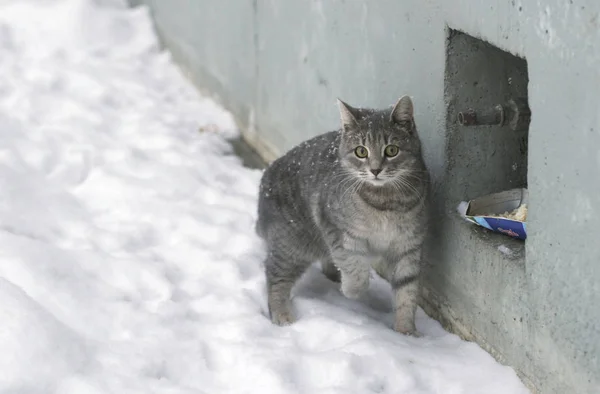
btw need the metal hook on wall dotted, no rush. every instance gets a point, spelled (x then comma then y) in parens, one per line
(515, 113)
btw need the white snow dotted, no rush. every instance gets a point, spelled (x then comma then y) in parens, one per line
(505, 250)
(462, 208)
(128, 262)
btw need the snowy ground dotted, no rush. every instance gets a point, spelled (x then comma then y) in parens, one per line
(128, 262)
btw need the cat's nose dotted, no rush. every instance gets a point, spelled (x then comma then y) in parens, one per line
(376, 171)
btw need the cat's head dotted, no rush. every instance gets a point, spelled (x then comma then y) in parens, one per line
(380, 146)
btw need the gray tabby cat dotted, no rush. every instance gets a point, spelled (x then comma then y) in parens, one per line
(354, 199)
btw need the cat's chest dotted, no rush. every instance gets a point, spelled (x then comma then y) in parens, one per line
(380, 229)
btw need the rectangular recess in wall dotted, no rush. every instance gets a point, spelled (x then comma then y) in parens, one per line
(483, 159)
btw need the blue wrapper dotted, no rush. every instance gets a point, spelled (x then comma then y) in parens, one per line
(483, 210)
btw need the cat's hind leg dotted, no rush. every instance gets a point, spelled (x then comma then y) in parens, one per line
(282, 272)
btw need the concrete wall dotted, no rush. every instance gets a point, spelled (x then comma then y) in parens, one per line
(279, 65)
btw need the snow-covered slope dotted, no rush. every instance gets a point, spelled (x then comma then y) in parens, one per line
(128, 262)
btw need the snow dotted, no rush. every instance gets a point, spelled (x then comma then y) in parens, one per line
(505, 250)
(128, 261)
(462, 208)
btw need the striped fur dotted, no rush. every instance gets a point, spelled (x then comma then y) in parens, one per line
(320, 201)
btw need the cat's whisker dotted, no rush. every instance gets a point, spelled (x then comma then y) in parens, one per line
(353, 186)
(402, 185)
(399, 186)
(405, 182)
(411, 186)
(345, 182)
(413, 174)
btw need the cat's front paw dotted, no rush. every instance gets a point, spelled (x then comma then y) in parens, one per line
(412, 333)
(407, 329)
(284, 318)
(353, 289)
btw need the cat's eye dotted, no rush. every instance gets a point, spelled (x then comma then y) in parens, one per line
(361, 152)
(391, 150)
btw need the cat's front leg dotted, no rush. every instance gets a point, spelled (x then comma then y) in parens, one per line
(405, 281)
(355, 279)
(353, 261)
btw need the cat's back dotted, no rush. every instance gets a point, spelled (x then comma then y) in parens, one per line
(311, 157)
(288, 182)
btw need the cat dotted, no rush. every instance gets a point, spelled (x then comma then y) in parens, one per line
(353, 199)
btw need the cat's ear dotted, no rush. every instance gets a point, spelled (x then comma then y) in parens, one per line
(347, 114)
(403, 111)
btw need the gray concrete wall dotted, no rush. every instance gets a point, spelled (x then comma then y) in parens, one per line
(279, 65)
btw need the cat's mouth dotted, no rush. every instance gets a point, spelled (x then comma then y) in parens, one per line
(376, 181)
